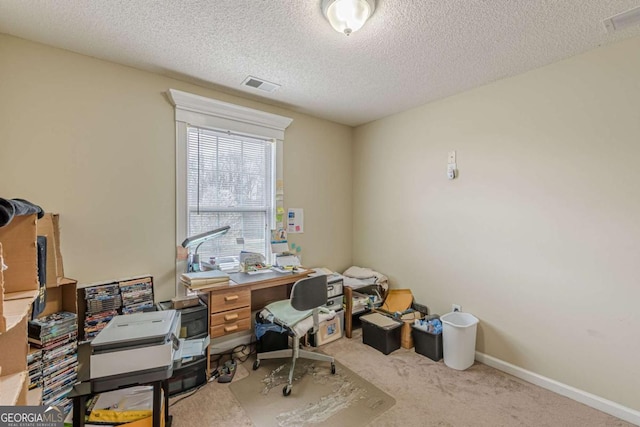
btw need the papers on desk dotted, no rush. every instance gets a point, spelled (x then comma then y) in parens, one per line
(261, 271)
(287, 261)
(289, 269)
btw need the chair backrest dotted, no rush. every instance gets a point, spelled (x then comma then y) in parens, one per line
(309, 293)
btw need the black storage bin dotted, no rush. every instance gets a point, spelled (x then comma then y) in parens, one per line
(190, 375)
(427, 344)
(381, 332)
(194, 319)
(194, 322)
(271, 340)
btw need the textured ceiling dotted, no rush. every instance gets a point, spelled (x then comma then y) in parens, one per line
(410, 52)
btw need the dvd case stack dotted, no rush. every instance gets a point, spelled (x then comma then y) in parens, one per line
(107, 299)
(137, 295)
(56, 336)
(34, 366)
(103, 302)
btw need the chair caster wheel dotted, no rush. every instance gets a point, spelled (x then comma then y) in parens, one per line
(256, 365)
(286, 391)
(333, 369)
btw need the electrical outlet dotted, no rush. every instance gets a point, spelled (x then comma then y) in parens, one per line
(456, 307)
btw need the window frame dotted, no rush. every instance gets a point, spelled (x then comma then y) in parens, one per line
(199, 111)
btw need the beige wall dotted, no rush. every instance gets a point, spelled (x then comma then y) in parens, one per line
(95, 142)
(540, 235)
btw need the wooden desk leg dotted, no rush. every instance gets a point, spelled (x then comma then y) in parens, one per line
(348, 321)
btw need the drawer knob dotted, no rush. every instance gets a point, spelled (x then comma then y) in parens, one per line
(228, 317)
(230, 328)
(231, 298)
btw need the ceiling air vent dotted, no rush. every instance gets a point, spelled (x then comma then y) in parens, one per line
(623, 20)
(259, 84)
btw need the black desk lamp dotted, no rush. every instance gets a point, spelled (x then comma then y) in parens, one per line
(193, 262)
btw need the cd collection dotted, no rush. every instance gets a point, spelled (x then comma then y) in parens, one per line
(53, 360)
(137, 295)
(120, 297)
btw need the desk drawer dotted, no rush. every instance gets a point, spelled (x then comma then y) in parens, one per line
(231, 316)
(229, 300)
(230, 328)
(334, 303)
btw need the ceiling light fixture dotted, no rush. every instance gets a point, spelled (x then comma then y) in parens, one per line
(347, 16)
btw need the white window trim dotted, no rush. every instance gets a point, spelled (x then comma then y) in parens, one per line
(210, 113)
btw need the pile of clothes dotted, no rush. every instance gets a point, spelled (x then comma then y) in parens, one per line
(360, 277)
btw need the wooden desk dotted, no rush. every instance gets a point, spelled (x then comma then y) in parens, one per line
(230, 307)
(348, 310)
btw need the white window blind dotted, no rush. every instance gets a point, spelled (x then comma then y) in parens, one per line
(230, 181)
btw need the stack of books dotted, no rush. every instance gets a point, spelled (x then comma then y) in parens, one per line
(137, 295)
(56, 335)
(94, 323)
(34, 366)
(205, 279)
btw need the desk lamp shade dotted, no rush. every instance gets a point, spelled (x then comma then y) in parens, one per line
(199, 239)
(193, 263)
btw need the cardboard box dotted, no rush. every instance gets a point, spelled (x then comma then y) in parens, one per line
(13, 389)
(328, 330)
(64, 297)
(185, 301)
(15, 339)
(381, 332)
(406, 339)
(3, 323)
(397, 300)
(19, 251)
(48, 226)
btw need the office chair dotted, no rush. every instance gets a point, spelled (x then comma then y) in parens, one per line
(308, 295)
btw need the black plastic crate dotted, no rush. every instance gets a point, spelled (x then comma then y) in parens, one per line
(381, 332)
(427, 344)
(190, 375)
(194, 321)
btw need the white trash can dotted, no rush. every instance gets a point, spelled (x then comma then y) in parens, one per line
(459, 339)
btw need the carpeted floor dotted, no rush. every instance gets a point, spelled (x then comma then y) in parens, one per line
(318, 398)
(427, 393)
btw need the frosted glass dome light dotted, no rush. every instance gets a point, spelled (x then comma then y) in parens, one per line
(347, 16)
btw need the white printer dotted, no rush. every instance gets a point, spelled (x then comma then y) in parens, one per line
(144, 344)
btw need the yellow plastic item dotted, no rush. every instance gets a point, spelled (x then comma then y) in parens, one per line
(110, 416)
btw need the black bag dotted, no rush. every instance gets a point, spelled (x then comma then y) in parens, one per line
(41, 300)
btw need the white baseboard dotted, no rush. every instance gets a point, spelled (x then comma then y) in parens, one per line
(597, 402)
